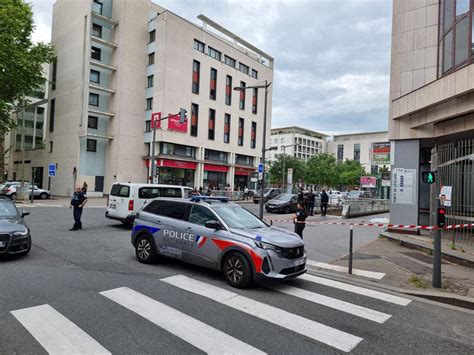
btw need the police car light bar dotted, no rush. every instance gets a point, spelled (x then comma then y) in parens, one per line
(209, 198)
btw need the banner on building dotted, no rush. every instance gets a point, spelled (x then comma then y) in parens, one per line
(381, 153)
(368, 181)
(174, 125)
(155, 120)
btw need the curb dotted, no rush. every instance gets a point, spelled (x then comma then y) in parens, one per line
(449, 299)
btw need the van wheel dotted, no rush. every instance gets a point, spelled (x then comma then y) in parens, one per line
(237, 270)
(145, 250)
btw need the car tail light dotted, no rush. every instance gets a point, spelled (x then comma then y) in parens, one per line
(130, 205)
(8, 190)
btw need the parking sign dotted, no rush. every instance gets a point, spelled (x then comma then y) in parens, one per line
(260, 168)
(52, 170)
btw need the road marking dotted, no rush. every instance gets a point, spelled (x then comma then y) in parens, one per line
(191, 330)
(56, 333)
(358, 272)
(334, 303)
(356, 289)
(314, 330)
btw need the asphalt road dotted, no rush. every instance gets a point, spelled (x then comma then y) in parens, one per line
(86, 290)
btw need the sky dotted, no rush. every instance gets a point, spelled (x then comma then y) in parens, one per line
(332, 57)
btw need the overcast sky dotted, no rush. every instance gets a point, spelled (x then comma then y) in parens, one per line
(332, 57)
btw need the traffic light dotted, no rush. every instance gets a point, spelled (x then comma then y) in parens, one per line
(441, 217)
(429, 177)
(182, 115)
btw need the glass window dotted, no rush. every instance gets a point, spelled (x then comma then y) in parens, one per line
(199, 46)
(95, 53)
(97, 7)
(242, 96)
(244, 68)
(254, 100)
(229, 61)
(151, 58)
(462, 6)
(213, 84)
(93, 99)
(149, 81)
(357, 152)
(167, 209)
(448, 52)
(196, 75)
(241, 132)
(149, 103)
(461, 49)
(171, 192)
(149, 192)
(212, 124)
(254, 74)
(91, 145)
(340, 152)
(148, 126)
(120, 190)
(95, 76)
(194, 119)
(448, 14)
(214, 53)
(96, 30)
(52, 105)
(152, 36)
(200, 215)
(226, 128)
(253, 135)
(92, 122)
(238, 217)
(228, 90)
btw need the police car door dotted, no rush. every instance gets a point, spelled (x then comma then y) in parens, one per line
(202, 252)
(173, 215)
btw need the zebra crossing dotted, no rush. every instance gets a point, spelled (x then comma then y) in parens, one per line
(59, 335)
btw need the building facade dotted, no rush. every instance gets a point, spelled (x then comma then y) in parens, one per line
(120, 63)
(297, 142)
(369, 148)
(431, 108)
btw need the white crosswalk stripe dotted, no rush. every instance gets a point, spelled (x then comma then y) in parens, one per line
(334, 303)
(314, 330)
(345, 269)
(191, 330)
(356, 289)
(55, 333)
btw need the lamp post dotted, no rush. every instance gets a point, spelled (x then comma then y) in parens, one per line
(284, 161)
(262, 86)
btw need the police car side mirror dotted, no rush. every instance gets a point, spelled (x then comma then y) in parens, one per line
(213, 225)
(24, 213)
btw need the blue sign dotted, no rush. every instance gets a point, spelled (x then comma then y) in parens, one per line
(260, 168)
(51, 170)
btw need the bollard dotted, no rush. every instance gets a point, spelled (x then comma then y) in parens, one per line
(271, 222)
(350, 249)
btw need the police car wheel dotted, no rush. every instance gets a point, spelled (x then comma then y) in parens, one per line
(145, 250)
(287, 209)
(237, 270)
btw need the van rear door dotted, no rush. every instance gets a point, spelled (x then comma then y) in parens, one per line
(119, 201)
(145, 193)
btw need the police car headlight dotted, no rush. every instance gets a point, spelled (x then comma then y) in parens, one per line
(21, 233)
(268, 246)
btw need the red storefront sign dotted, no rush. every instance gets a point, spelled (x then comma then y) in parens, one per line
(167, 163)
(174, 125)
(155, 120)
(243, 171)
(218, 168)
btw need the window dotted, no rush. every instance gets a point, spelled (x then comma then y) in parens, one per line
(97, 7)
(196, 75)
(91, 145)
(253, 135)
(151, 58)
(149, 192)
(254, 101)
(40, 110)
(148, 126)
(92, 122)
(152, 36)
(93, 99)
(215, 155)
(120, 190)
(243, 68)
(226, 128)
(177, 149)
(199, 46)
(52, 107)
(254, 74)
(357, 152)
(241, 132)
(95, 53)
(340, 152)
(213, 85)
(96, 30)
(149, 103)
(228, 90)
(51, 147)
(211, 124)
(243, 159)
(149, 81)
(194, 119)
(94, 76)
(200, 215)
(229, 61)
(214, 53)
(170, 209)
(53, 75)
(242, 96)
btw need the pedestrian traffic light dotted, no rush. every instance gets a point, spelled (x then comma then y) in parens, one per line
(429, 177)
(441, 217)
(182, 115)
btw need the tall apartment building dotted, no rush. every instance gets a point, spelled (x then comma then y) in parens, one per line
(361, 146)
(298, 142)
(431, 116)
(119, 63)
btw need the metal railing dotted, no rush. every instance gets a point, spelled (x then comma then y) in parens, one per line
(367, 206)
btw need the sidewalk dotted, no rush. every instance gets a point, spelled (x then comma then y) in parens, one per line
(61, 202)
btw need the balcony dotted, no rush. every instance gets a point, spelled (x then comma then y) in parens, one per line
(103, 42)
(101, 88)
(102, 65)
(99, 16)
(104, 113)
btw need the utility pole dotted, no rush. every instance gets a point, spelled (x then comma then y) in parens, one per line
(437, 236)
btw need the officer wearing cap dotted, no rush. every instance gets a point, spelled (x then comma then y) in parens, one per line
(300, 219)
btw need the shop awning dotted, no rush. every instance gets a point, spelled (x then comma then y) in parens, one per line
(218, 168)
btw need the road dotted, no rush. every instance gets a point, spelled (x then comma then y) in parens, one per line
(85, 291)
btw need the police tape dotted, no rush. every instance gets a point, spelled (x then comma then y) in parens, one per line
(382, 225)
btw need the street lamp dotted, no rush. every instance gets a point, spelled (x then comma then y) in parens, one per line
(262, 86)
(284, 161)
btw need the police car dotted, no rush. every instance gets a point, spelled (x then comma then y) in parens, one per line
(215, 233)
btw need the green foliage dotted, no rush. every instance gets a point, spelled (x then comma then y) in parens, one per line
(20, 60)
(321, 170)
(349, 173)
(290, 162)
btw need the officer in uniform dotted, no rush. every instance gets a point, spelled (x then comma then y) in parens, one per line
(78, 201)
(300, 219)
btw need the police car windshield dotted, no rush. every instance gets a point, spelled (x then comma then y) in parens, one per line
(238, 217)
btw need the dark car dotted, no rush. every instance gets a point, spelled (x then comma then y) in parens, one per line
(268, 194)
(14, 233)
(285, 203)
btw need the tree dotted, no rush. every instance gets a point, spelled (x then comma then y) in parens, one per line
(20, 63)
(321, 170)
(276, 170)
(349, 172)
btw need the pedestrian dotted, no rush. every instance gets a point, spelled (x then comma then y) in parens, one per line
(78, 201)
(246, 193)
(300, 197)
(200, 190)
(324, 203)
(84, 188)
(310, 199)
(300, 219)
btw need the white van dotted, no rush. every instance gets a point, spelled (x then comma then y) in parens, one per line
(126, 198)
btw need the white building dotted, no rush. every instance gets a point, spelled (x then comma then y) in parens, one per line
(121, 61)
(298, 142)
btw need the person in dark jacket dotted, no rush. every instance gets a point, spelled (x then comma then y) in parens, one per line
(310, 200)
(324, 203)
(78, 201)
(300, 219)
(300, 197)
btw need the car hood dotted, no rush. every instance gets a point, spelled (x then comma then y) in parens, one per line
(272, 235)
(277, 202)
(9, 225)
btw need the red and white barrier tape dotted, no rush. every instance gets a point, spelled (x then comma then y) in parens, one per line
(385, 225)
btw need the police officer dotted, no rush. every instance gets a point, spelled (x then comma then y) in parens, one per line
(78, 201)
(300, 219)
